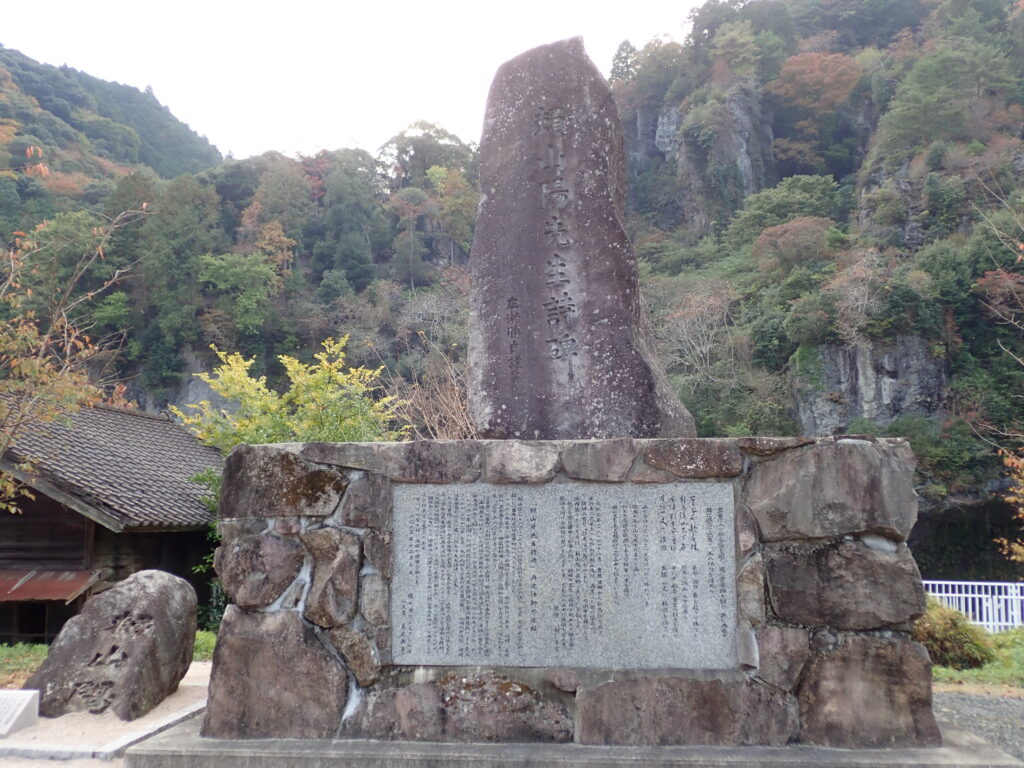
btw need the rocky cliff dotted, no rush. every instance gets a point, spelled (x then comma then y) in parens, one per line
(870, 380)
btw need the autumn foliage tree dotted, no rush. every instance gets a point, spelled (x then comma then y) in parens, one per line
(45, 347)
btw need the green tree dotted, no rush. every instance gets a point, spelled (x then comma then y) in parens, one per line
(324, 402)
(456, 205)
(421, 146)
(789, 199)
(185, 225)
(623, 63)
(242, 285)
(944, 92)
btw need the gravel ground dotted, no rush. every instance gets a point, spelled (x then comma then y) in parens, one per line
(998, 720)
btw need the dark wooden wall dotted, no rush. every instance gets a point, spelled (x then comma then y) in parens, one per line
(45, 535)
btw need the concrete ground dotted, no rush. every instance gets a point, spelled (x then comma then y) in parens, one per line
(77, 740)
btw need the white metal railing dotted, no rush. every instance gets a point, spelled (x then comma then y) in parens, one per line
(995, 605)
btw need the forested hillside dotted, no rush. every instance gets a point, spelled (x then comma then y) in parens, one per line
(66, 137)
(826, 197)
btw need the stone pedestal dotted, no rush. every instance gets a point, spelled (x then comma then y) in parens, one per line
(731, 592)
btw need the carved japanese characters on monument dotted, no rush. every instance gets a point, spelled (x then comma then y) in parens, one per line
(559, 345)
(574, 574)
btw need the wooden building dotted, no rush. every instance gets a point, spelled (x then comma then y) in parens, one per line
(113, 495)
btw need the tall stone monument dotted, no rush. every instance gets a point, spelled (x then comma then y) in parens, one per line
(558, 343)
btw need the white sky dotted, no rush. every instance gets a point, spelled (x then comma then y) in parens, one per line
(301, 76)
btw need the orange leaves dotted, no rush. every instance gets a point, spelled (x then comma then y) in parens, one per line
(817, 82)
(1004, 295)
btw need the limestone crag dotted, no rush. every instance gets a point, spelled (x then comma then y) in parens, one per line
(871, 380)
(559, 345)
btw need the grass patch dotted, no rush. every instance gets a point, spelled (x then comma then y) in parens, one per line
(1006, 669)
(205, 641)
(18, 662)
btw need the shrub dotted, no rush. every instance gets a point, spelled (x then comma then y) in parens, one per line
(205, 642)
(951, 639)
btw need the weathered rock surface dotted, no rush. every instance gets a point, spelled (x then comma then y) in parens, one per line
(367, 502)
(768, 446)
(497, 709)
(737, 163)
(125, 652)
(834, 488)
(373, 599)
(558, 344)
(359, 654)
(606, 460)
(418, 461)
(868, 692)
(520, 461)
(750, 590)
(256, 570)
(271, 481)
(378, 551)
(334, 593)
(273, 678)
(845, 586)
(872, 380)
(463, 708)
(695, 458)
(671, 710)
(783, 651)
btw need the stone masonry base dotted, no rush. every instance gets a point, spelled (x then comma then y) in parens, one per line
(821, 592)
(182, 747)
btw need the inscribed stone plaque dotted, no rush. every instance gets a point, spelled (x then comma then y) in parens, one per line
(18, 709)
(566, 574)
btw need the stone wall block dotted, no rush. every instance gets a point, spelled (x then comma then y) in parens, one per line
(520, 461)
(233, 528)
(769, 446)
(256, 570)
(750, 605)
(496, 709)
(286, 526)
(433, 461)
(419, 713)
(381, 639)
(378, 551)
(373, 600)
(663, 710)
(748, 654)
(834, 488)
(367, 502)
(846, 585)
(783, 653)
(646, 474)
(868, 692)
(272, 678)
(273, 481)
(348, 455)
(600, 460)
(334, 593)
(359, 653)
(747, 536)
(695, 458)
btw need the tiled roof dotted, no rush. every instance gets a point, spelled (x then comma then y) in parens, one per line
(127, 465)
